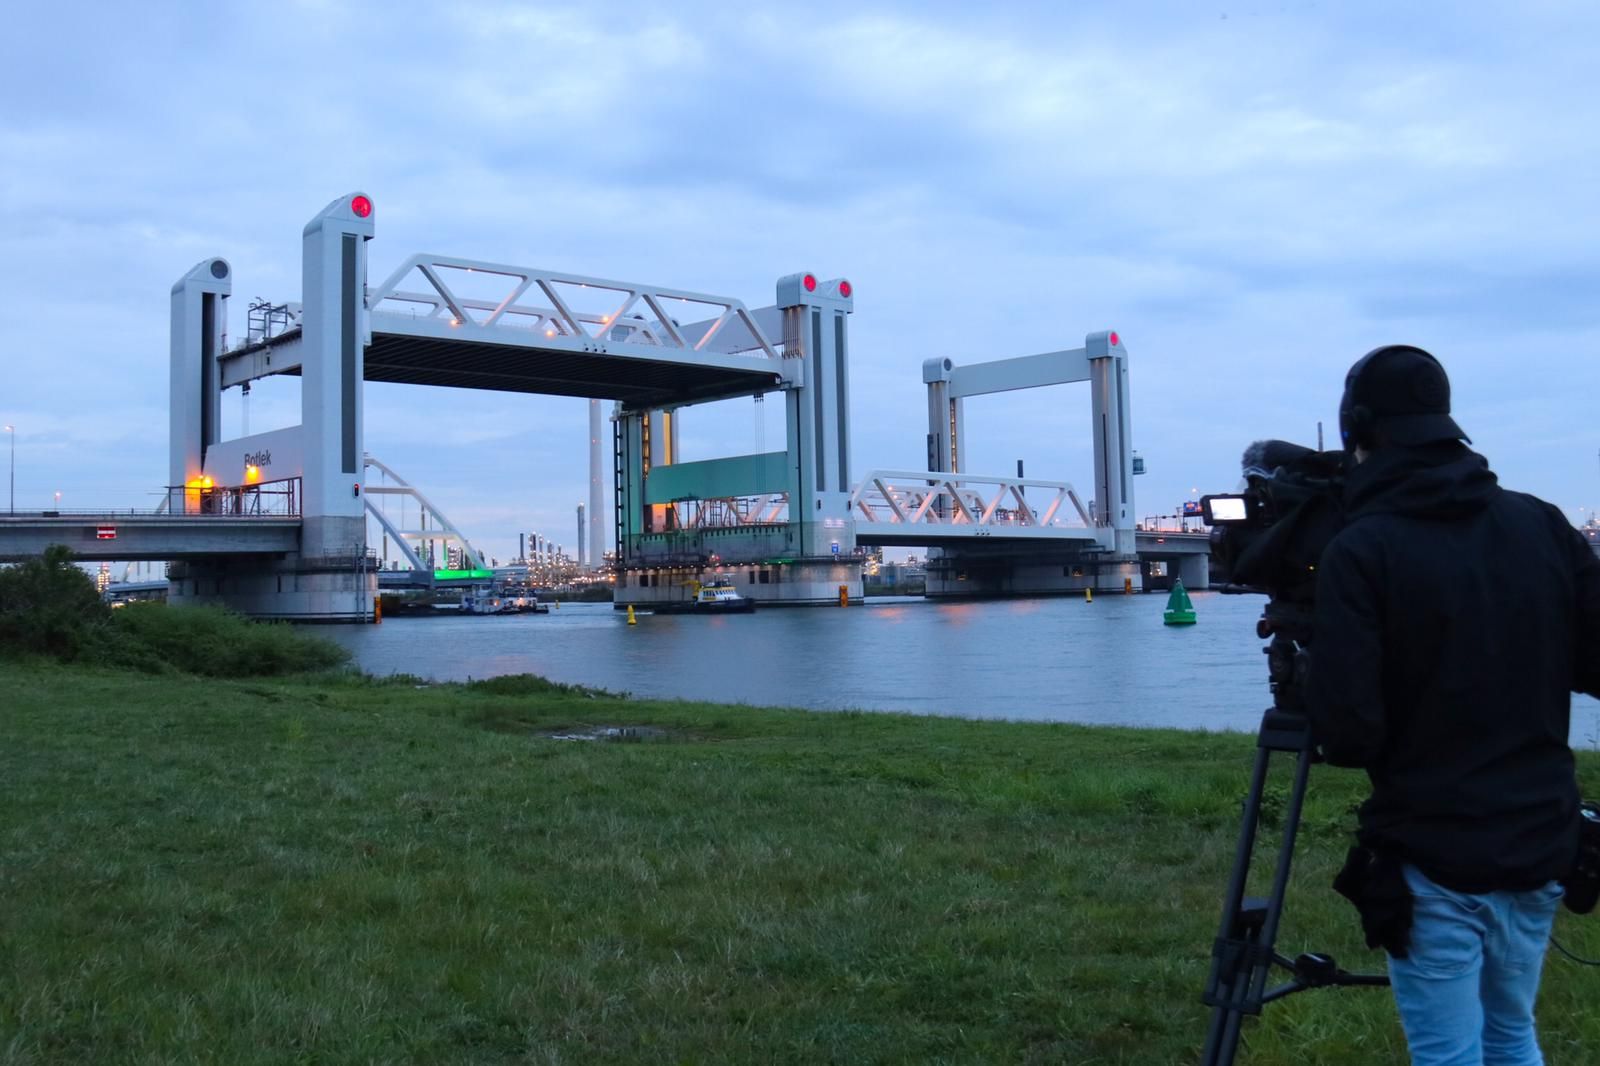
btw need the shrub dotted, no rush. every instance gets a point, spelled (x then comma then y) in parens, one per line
(49, 607)
(215, 642)
(529, 685)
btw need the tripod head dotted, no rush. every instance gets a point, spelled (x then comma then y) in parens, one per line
(1286, 626)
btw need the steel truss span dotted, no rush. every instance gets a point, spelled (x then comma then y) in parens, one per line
(916, 507)
(533, 337)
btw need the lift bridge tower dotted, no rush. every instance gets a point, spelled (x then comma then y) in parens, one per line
(775, 525)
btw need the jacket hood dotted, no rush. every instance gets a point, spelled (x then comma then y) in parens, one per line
(1441, 480)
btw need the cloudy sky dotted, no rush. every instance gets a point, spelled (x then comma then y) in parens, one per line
(1252, 194)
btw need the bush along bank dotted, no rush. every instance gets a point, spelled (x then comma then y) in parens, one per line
(50, 608)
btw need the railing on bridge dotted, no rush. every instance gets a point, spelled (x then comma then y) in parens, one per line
(933, 498)
(278, 499)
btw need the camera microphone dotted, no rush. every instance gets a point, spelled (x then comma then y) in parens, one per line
(1262, 457)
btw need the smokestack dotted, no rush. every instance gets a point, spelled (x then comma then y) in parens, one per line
(580, 534)
(522, 546)
(597, 534)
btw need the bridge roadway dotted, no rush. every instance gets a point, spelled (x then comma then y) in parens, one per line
(162, 537)
(1154, 544)
(141, 536)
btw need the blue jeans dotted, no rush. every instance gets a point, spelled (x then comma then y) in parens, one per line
(1466, 992)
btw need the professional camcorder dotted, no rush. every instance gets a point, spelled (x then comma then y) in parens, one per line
(1269, 537)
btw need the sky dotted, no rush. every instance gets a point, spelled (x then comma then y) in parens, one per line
(1251, 195)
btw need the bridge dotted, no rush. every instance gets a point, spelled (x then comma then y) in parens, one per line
(122, 536)
(785, 525)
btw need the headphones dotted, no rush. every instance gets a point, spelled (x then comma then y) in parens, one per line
(1358, 423)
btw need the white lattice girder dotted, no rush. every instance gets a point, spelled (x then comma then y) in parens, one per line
(912, 497)
(553, 316)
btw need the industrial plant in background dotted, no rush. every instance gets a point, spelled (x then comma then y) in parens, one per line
(544, 564)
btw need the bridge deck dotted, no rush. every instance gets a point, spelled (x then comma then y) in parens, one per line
(145, 536)
(429, 352)
(952, 535)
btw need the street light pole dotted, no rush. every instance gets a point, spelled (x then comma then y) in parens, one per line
(13, 431)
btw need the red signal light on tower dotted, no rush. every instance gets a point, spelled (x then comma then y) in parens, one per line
(360, 206)
(1115, 340)
(845, 290)
(810, 282)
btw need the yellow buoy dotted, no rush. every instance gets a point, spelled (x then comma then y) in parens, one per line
(1088, 595)
(632, 621)
(1127, 586)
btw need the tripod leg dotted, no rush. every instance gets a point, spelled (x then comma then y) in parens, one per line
(1222, 1039)
(1280, 877)
(1243, 952)
(1230, 977)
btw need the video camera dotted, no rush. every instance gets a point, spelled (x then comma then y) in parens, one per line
(1268, 538)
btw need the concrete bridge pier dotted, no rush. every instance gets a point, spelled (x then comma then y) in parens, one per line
(291, 589)
(1194, 571)
(968, 574)
(1188, 561)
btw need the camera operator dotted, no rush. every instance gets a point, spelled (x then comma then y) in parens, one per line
(1453, 618)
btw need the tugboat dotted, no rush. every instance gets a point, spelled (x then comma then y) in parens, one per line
(714, 597)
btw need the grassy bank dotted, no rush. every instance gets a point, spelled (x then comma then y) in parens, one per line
(344, 871)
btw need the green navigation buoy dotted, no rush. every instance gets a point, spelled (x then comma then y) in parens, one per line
(1179, 612)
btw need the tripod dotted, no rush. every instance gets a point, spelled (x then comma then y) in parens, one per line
(1243, 954)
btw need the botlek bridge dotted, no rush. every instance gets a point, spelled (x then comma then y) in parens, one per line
(275, 524)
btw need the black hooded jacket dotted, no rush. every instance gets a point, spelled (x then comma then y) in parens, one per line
(1453, 620)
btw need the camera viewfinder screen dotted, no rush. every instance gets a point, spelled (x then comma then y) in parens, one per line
(1227, 509)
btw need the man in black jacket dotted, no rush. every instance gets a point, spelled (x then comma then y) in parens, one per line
(1453, 620)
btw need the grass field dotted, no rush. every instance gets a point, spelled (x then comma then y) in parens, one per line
(338, 870)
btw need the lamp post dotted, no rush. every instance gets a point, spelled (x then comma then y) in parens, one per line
(13, 431)
(58, 500)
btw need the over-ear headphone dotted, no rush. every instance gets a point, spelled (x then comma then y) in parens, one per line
(1358, 423)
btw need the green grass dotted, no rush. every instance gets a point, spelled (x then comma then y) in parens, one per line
(346, 871)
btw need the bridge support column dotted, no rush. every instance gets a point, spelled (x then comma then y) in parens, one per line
(1113, 453)
(333, 338)
(815, 328)
(199, 330)
(1194, 571)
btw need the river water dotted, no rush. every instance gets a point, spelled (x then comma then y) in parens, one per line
(1111, 661)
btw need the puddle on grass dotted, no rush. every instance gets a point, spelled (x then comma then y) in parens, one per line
(613, 733)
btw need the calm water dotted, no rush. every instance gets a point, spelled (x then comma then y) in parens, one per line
(1110, 661)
